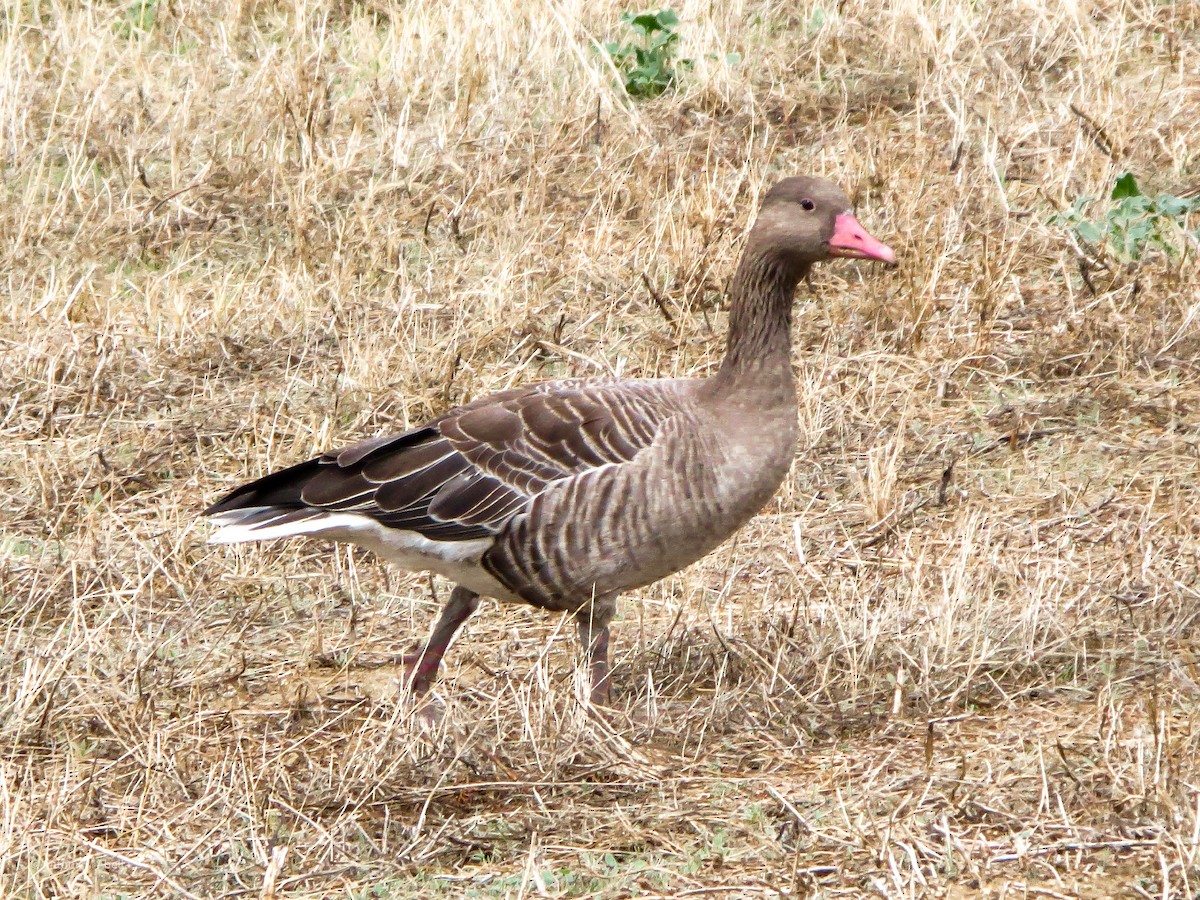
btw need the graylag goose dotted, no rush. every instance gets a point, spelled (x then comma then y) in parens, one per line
(565, 494)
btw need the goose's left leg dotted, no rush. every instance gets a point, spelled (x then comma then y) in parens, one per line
(591, 623)
(421, 668)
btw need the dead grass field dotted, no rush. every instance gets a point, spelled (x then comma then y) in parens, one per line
(955, 657)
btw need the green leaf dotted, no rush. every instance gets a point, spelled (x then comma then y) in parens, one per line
(733, 58)
(646, 22)
(1089, 232)
(1138, 232)
(1139, 205)
(139, 17)
(660, 42)
(1126, 186)
(1173, 207)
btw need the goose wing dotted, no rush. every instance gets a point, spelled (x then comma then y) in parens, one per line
(465, 474)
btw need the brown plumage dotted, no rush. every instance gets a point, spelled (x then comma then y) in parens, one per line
(566, 493)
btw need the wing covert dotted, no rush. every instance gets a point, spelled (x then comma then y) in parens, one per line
(468, 472)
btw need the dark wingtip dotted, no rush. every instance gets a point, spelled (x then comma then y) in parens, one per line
(279, 489)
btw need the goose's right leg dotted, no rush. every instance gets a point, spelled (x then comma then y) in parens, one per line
(591, 623)
(421, 668)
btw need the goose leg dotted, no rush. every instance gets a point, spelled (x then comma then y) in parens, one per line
(591, 623)
(421, 668)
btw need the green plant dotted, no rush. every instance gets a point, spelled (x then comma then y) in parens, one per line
(1133, 223)
(649, 65)
(138, 19)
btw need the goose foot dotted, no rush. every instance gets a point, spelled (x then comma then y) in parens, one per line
(428, 713)
(420, 671)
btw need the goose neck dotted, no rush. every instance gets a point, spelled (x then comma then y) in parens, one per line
(759, 350)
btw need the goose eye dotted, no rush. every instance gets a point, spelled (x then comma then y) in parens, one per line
(807, 205)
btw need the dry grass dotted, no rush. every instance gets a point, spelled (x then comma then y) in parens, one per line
(955, 657)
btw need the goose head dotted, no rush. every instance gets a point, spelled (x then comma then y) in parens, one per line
(805, 220)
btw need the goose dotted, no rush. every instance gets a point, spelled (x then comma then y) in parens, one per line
(565, 494)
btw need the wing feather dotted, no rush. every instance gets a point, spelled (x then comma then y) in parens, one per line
(467, 473)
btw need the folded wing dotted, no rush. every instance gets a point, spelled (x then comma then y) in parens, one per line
(462, 476)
